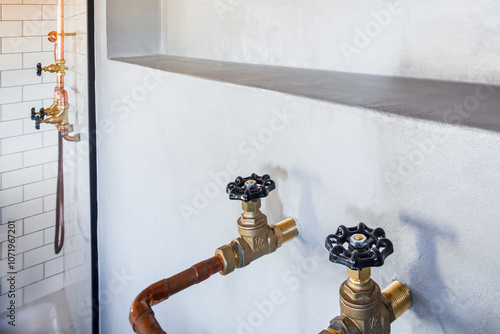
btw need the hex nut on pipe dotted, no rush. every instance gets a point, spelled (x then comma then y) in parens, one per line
(228, 257)
(251, 206)
(359, 275)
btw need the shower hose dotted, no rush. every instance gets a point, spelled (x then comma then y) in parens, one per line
(59, 237)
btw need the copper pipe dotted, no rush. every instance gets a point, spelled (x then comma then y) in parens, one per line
(59, 238)
(55, 49)
(142, 317)
(61, 94)
(60, 31)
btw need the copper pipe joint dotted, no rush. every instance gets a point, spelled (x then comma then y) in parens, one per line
(142, 316)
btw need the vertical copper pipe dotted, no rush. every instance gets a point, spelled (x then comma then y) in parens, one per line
(59, 238)
(60, 93)
(60, 30)
(142, 317)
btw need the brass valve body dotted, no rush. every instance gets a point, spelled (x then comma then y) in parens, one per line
(58, 67)
(52, 110)
(257, 238)
(58, 115)
(367, 310)
(54, 120)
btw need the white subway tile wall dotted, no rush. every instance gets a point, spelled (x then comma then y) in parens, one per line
(28, 157)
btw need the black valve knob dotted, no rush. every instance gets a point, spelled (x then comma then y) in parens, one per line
(366, 247)
(42, 113)
(39, 69)
(33, 113)
(37, 122)
(250, 188)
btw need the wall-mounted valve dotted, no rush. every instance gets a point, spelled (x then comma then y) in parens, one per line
(58, 68)
(257, 238)
(364, 308)
(57, 115)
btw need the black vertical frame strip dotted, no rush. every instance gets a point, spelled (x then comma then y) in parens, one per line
(92, 164)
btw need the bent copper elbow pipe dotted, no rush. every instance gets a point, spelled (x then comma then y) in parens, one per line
(142, 317)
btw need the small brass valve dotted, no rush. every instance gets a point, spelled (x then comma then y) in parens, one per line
(257, 238)
(364, 308)
(58, 68)
(55, 114)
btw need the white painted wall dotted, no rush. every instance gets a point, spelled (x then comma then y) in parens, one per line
(441, 39)
(165, 138)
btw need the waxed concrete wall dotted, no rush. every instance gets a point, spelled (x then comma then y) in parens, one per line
(451, 39)
(168, 144)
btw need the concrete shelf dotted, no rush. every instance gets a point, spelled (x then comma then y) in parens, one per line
(462, 104)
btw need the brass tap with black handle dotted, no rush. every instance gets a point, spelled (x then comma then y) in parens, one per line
(365, 309)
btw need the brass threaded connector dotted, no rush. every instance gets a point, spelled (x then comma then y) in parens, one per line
(399, 296)
(285, 230)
